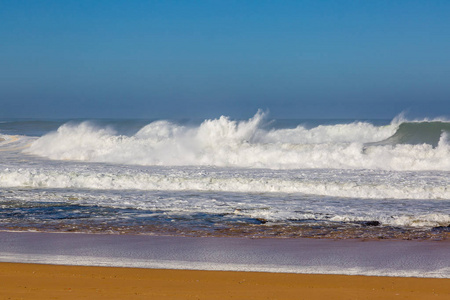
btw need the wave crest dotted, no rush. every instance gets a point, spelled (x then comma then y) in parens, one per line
(229, 143)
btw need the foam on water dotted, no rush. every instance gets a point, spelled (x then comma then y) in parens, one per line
(223, 170)
(372, 185)
(247, 144)
(413, 199)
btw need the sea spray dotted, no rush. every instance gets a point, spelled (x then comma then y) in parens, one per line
(256, 177)
(224, 142)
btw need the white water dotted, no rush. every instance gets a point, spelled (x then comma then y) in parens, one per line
(328, 172)
(352, 184)
(247, 144)
(393, 198)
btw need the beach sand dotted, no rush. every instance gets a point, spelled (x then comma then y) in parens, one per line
(36, 266)
(37, 281)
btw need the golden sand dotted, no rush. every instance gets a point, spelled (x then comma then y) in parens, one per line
(34, 281)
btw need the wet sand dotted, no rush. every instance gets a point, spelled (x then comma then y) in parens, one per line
(303, 256)
(36, 281)
(91, 266)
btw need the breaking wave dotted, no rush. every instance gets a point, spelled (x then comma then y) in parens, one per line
(416, 133)
(334, 183)
(249, 144)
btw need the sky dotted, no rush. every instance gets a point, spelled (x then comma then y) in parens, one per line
(203, 59)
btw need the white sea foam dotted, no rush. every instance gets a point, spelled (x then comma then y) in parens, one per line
(327, 183)
(350, 173)
(412, 199)
(228, 143)
(398, 220)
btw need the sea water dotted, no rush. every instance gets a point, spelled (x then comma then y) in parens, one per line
(224, 177)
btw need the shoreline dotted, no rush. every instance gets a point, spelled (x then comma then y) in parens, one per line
(38, 266)
(426, 259)
(364, 231)
(37, 281)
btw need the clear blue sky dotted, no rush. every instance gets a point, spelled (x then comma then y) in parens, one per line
(297, 59)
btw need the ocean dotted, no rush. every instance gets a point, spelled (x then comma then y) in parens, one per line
(261, 177)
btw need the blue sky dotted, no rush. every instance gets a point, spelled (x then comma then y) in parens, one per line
(174, 59)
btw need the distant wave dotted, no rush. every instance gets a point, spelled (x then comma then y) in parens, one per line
(416, 133)
(227, 143)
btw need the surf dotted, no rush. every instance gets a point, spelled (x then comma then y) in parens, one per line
(252, 143)
(416, 133)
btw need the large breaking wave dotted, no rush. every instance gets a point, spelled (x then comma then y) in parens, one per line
(416, 133)
(249, 144)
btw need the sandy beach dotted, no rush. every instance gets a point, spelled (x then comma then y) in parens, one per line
(79, 266)
(35, 281)
(224, 150)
